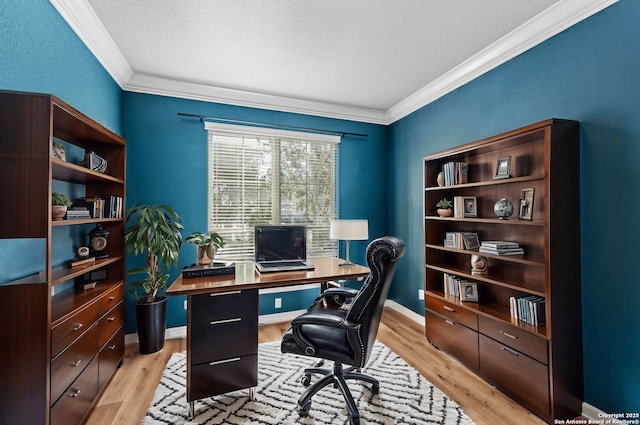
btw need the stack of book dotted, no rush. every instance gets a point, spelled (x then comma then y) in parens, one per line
(105, 206)
(530, 309)
(501, 248)
(452, 284)
(455, 173)
(77, 213)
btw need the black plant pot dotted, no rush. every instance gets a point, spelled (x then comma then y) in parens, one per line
(152, 320)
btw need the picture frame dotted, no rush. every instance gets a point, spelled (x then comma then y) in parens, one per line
(526, 204)
(471, 241)
(58, 152)
(470, 206)
(503, 166)
(468, 291)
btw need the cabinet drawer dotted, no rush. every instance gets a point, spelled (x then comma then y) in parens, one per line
(70, 363)
(110, 322)
(222, 377)
(453, 311)
(514, 337)
(224, 339)
(67, 331)
(77, 399)
(517, 375)
(224, 305)
(110, 357)
(454, 339)
(111, 298)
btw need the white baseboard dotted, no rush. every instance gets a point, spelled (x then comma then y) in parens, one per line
(592, 412)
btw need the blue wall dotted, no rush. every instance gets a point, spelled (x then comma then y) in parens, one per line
(167, 164)
(589, 73)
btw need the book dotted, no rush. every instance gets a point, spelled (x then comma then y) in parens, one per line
(76, 262)
(500, 244)
(510, 251)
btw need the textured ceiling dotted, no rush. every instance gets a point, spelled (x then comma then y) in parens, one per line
(338, 55)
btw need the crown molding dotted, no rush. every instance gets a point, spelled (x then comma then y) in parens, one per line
(84, 22)
(562, 15)
(547, 24)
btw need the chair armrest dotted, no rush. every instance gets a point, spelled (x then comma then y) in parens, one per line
(329, 320)
(333, 297)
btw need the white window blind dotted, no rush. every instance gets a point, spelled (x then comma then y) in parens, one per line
(266, 176)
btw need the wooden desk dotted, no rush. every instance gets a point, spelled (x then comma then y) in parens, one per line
(222, 323)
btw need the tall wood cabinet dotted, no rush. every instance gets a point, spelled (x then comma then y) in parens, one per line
(538, 366)
(59, 343)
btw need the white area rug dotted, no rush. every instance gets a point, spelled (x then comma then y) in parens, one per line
(406, 397)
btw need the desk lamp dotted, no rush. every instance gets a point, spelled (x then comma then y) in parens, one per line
(349, 230)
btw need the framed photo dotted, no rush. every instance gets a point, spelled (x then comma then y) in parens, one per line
(57, 151)
(526, 204)
(502, 167)
(468, 291)
(470, 206)
(470, 240)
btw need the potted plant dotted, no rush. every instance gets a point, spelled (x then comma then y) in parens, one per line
(59, 204)
(444, 207)
(155, 232)
(207, 245)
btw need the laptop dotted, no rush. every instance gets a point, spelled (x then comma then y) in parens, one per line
(281, 249)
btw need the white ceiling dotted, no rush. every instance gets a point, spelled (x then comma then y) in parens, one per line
(365, 60)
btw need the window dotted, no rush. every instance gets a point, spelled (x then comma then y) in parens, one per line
(266, 176)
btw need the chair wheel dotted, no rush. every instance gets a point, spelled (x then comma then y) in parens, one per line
(304, 411)
(306, 380)
(375, 389)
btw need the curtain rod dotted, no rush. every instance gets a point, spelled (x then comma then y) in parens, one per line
(263, 124)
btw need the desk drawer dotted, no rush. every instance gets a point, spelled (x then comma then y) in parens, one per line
(517, 375)
(516, 338)
(454, 339)
(77, 399)
(206, 308)
(222, 377)
(67, 331)
(453, 311)
(224, 339)
(70, 363)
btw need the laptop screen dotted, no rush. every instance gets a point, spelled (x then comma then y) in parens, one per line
(277, 243)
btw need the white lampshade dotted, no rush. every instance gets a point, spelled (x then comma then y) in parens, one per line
(349, 230)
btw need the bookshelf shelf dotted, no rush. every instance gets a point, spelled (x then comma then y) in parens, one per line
(515, 290)
(52, 317)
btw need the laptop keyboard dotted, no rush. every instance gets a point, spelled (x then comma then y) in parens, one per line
(282, 264)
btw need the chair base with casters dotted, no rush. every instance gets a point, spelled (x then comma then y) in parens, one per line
(341, 326)
(338, 377)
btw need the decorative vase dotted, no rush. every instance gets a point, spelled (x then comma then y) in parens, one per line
(479, 264)
(58, 212)
(503, 209)
(440, 178)
(205, 255)
(151, 319)
(444, 212)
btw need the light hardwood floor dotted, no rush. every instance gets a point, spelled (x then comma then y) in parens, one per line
(128, 395)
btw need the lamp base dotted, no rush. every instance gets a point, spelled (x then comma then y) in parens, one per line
(347, 263)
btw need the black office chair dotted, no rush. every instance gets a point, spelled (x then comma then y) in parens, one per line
(342, 325)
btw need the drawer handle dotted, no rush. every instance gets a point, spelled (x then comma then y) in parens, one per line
(111, 319)
(76, 363)
(224, 361)
(111, 298)
(508, 335)
(77, 327)
(509, 350)
(446, 307)
(74, 392)
(113, 347)
(219, 322)
(225, 293)
(449, 322)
